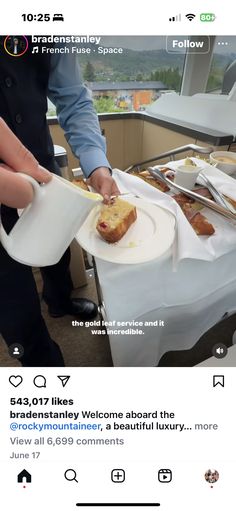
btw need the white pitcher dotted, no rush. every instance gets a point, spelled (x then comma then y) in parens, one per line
(48, 225)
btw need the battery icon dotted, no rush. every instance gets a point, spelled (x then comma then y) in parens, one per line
(207, 16)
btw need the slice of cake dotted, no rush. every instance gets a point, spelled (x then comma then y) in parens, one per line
(115, 219)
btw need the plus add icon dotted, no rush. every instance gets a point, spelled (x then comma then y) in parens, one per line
(118, 475)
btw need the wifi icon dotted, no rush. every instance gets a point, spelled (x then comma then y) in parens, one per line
(190, 17)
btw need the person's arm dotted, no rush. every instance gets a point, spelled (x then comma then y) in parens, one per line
(78, 119)
(76, 113)
(14, 190)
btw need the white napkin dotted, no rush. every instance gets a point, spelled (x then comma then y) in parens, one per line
(187, 243)
(224, 183)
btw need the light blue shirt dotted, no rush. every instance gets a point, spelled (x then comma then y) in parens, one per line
(76, 113)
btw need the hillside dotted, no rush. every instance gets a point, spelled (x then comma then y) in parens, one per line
(131, 63)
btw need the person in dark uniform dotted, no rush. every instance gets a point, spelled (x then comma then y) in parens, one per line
(25, 84)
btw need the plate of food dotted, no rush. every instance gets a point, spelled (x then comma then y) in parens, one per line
(129, 231)
(190, 207)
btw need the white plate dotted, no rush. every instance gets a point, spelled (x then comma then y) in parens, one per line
(149, 237)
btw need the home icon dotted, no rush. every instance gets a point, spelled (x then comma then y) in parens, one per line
(24, 477)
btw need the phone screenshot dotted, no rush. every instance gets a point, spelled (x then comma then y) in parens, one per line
(117, 257)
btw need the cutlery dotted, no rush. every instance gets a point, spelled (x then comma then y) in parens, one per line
(219, 197)
(127, 194)
(193, 195)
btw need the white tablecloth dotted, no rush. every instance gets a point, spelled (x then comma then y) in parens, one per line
(189, 300)
(153, 291)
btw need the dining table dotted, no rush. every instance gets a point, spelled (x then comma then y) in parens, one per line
(163, 310)
(168, 302)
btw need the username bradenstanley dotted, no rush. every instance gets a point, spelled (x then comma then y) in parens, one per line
(85, 39)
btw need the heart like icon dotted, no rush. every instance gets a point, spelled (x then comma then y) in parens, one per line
(16, 380)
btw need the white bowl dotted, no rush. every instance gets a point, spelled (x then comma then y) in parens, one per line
(218, 157)
(186, 175)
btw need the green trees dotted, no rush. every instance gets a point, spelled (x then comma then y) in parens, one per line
(214, 81)
(89, 72)
(139, 77)
(105, 104)
(170, 77)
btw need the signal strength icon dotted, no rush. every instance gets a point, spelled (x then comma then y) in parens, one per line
(175, 18)
(190, 17)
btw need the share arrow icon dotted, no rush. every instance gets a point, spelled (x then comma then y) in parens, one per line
(64, 380)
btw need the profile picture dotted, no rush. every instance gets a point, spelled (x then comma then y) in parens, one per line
(211, 476)
(16, 45)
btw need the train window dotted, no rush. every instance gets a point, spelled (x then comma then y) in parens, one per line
(128, 73)
(222, 74)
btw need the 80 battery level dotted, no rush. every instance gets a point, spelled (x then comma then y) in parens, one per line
(207, 16)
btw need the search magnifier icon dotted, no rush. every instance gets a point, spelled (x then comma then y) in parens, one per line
(70, 475)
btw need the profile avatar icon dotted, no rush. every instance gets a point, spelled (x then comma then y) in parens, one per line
(211, 476)
(16, 350)
(16, 45)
